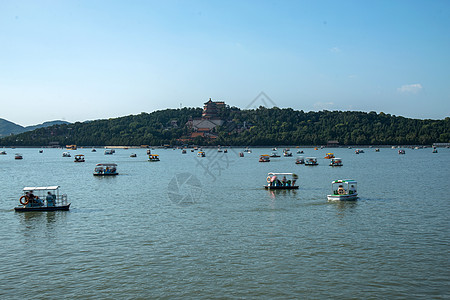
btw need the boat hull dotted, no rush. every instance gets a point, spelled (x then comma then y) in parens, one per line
(342, 197)
(295, 187)
(109, 174)
(42, 208)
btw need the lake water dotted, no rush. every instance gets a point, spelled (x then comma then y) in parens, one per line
(203, 228)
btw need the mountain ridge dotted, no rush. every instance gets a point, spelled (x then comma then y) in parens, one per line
(8, 127)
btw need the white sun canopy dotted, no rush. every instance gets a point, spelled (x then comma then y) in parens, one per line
(40, 188)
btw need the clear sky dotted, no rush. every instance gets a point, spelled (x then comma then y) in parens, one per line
(91, 59)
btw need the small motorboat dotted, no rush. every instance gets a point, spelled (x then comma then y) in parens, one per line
(336, 162)
(183, 151)
(311, 161)
(153, 157)
(264, 158)
(79, 158)
(401, 151)
(66, 154)
(201, 154)
(3, 152)
(133, 155)
(45, 198)
(377, 149)
(41, 151)
(105, 170)
(329, 156)
(274, 154)
(286, 183)
(435, 150)
(247, 150)
(299, 151)
(18, 156)
(287, 153)
(343, 190)
(93, 150)
(300, 160)
(225, 151)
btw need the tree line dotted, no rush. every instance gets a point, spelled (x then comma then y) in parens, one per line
(253, 127)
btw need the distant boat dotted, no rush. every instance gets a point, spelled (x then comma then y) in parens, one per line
(18, 156)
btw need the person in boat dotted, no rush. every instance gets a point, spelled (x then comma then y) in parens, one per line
(33, 200)
(284, 180)
(341, 190)
(50, 199)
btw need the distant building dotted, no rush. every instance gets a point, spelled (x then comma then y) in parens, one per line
(211, 108)
(333, 144)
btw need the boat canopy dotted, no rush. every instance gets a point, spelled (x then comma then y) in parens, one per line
(264, 155)
(276, 174)
(349, 181)
(40, 188)
(107, 165)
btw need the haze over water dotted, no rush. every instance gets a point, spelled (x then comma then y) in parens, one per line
(189, 227)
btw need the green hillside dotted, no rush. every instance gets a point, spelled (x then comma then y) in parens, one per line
(262, 126)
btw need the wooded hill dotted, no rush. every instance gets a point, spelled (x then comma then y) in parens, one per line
(256, 127)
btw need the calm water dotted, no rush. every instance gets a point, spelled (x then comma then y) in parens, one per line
(189, 227)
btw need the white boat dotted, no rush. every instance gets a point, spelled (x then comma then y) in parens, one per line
(153, 157)
(105, 170)
(336, 162)
(311, 161)
(287, 182)
(343, 190)
(66, 154)
(79, 158)
(46, 198)
(109, 151)
(300, 160)
(201, 154)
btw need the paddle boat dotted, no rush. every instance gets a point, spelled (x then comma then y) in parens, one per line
(109, 152)
(247, 150)
(286, 183)
(264, 158)
(79, 158)
(153, 157)
(336, 162)
(45, 198)
(18, 156)
(133, 155)
(311, 161)
(300, 160)
(201, 154)
(329, 155)
(225, 151)
(183, 151)
(287, 153)
(66, 154)
(41, 151)
(435, 150)
(241, 154)
(343, 190)
(3, 152)
(299, 151)
(105, 170)
(377, 149)
(401, 151)
(274, 154)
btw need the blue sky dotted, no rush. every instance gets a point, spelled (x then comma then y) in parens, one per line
(85, 60)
